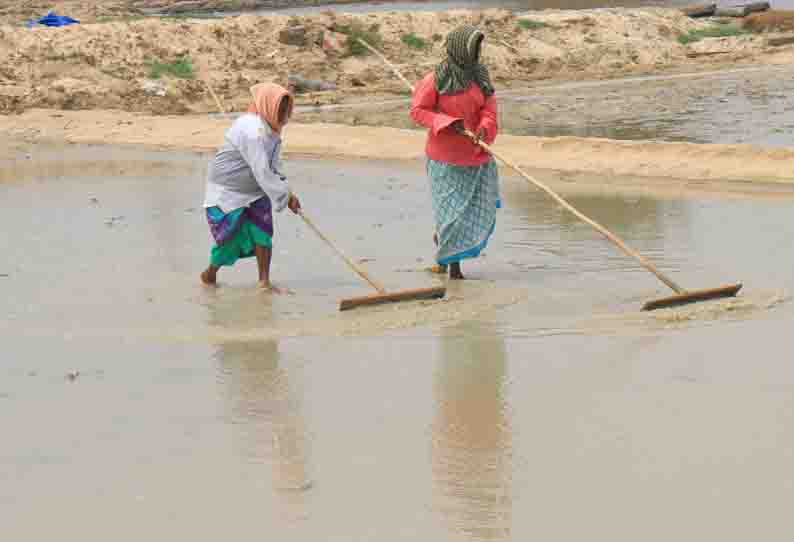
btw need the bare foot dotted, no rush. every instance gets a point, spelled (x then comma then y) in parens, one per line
(269, 287)
(208, 278)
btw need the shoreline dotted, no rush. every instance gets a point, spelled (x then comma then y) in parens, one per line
(586, 164)
(92, 84)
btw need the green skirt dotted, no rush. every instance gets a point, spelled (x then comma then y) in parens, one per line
(240, 246)
(237, 233)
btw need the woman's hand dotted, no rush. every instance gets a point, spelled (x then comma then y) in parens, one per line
(294, 204)
(457, 127)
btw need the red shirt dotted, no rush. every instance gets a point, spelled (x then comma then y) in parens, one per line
(437, 112)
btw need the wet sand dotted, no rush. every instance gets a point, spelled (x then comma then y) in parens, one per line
(536, 402)
(594, 164)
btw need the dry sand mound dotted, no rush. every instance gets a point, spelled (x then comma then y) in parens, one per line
(108, 65)
(15, 12)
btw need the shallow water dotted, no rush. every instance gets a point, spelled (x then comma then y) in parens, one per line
(536, 401)
(750, 105)
(512, 5)
(747, 105)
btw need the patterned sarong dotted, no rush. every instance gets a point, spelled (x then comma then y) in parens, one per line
(465, 200)
(238, 232)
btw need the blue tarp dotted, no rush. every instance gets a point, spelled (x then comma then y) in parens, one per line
(51, 19)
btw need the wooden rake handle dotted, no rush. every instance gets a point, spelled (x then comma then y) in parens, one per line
(564, 204)
(386, 61)
(584, 218)
(363, 274)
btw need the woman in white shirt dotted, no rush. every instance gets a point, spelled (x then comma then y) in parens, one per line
(245, 184)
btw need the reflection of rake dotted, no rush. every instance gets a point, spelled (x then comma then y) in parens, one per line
(681, 296)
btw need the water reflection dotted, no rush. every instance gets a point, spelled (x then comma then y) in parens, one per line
(268, 411)
(537, 234)
(632, 216)
(471, 452)
(265, 407)
(635, 216)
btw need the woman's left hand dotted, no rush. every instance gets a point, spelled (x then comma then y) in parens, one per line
(480, 135)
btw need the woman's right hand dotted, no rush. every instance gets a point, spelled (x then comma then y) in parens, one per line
(294, 204)
(458, 127)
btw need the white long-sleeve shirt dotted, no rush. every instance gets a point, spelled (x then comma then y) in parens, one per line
(247, 167)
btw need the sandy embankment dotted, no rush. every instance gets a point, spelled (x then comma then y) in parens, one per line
(108, 65)
(607, 163)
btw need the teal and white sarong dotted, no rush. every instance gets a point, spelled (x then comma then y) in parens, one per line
(465, 200)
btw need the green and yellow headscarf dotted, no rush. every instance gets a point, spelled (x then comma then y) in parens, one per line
(462, 65)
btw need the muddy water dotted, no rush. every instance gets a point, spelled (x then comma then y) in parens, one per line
(512, 5)
(535, 402)
(749, 105)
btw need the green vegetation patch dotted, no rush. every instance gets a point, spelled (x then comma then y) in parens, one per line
(182, 68)
(120, 19)
(412, 40)
(715, 31)
(529, 24)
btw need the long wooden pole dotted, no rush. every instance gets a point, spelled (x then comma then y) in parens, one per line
(386, 61)
(584, 218)
(221, 109)
(564, 204)
(363, 274)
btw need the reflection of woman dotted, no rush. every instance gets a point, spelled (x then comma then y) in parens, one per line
(268, 415)
(471, 434)
(464, 180)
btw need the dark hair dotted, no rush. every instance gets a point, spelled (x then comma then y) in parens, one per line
(284, 106)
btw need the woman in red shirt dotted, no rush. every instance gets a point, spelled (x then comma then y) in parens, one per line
(464, 179)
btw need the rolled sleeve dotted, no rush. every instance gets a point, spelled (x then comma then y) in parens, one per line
(489, 120)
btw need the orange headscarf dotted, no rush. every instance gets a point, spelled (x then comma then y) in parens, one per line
(267, 98)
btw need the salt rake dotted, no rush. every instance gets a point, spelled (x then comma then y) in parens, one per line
(681, 297)
(382, 296)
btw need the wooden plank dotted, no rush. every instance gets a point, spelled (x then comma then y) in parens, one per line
(695, 54)
(731, 11)
(699, 10)
(756, 7)
(393, 297)
(741, 10)
(692, 297)
(777, 42)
